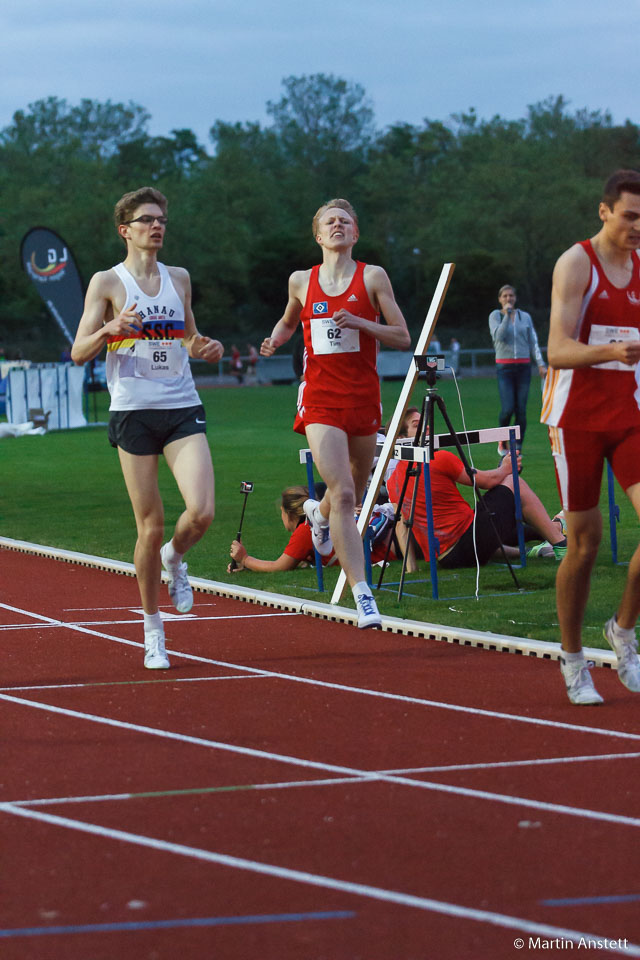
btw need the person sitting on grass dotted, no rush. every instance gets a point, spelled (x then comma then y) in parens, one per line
(460, 538)
(299, 550)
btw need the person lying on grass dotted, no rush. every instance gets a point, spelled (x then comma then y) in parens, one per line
(299, 550)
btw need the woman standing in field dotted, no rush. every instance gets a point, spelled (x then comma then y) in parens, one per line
(515, 342)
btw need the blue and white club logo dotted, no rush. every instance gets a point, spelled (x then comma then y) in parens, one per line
(320, 308)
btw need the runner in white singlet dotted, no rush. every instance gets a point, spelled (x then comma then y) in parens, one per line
(141, 311)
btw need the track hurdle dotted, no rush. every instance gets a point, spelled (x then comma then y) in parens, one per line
(614, 514)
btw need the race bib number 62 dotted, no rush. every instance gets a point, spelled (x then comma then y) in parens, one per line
(328, 337)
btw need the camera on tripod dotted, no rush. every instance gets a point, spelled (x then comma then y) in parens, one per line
(427, 362)
(430, 365)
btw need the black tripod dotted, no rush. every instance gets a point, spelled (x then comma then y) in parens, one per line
(425, 437)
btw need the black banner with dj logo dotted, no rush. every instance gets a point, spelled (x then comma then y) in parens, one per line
(48, 261)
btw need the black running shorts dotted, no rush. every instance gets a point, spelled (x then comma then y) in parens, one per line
(147, 432)
(501, 509)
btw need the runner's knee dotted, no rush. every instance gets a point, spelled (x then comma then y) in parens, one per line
(151, 532)
(201, 517)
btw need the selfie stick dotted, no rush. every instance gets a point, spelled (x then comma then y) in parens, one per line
(246, 487)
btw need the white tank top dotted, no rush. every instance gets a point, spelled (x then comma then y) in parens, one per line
(151, 371)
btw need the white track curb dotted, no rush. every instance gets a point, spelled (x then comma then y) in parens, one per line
(327, 611)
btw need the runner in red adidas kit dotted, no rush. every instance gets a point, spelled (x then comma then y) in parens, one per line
(339, 303)
(591, 405)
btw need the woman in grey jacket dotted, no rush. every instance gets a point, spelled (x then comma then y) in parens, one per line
(515, 343)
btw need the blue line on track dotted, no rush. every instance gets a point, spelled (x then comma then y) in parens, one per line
(580, 901)
(168, 924)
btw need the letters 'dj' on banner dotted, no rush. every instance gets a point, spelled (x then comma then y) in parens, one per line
(47, 260)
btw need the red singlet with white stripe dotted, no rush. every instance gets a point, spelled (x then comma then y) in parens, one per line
(605, 396)
(339, 365)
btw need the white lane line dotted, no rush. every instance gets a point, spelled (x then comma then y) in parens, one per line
(396, 897)
(192, 791)
(286, 784)
(452, 768)
(363, 691)
(188, 617)
(580, 812)
(133, 606)
(131, 683)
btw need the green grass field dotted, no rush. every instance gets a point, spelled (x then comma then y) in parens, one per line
(66, 490)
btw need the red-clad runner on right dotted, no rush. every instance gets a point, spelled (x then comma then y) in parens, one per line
(339, 303)
(591, 405)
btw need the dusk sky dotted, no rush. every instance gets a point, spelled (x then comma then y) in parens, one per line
(191, 62)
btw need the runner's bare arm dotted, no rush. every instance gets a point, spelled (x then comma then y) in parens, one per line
(570, 279)
(286, 325)
(94, 329)
(198, 346)
(392, 333)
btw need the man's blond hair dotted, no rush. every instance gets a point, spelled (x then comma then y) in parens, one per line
(341, 205)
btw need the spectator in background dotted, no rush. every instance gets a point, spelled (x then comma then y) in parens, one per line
(252, 361)
(454, 355)
(236, 364)
(515, 343)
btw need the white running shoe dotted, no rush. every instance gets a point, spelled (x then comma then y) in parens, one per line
(319, 531)
(627, 653)
(155, 654)
(368, 614)
(179, 587)
(580, 688)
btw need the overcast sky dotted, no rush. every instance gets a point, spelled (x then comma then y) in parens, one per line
(191, 62)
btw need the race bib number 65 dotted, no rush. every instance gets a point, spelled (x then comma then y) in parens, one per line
(328, 337)
(159, 359)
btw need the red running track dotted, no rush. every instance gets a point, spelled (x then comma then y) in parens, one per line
(295, 789)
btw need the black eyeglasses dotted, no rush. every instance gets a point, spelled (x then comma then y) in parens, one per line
(147, 220)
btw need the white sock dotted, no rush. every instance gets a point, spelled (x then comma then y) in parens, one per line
(360, 588)
(171, 557)
(573, 657)
(620, 632)
(320, 518)
(153, 621)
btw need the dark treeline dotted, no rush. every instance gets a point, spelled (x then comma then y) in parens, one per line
(501, 198)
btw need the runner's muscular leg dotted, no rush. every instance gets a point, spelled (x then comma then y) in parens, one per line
(330, 449)
(189, 460)
(361, 453)
(141, 478)
(584, 530)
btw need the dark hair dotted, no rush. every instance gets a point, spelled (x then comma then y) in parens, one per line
(622, 181)
(129, 203)
(404, 424)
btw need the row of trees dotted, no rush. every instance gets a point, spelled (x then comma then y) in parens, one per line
(501, 198)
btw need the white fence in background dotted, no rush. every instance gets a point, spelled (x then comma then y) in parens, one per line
(55, 389)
